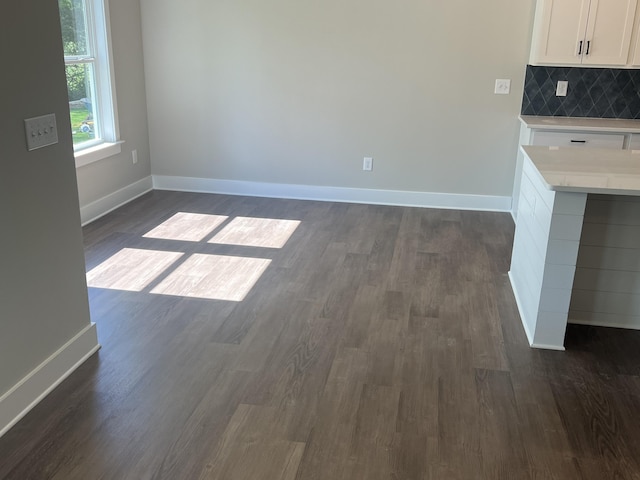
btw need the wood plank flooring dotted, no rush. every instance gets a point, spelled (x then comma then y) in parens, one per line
(379, 343)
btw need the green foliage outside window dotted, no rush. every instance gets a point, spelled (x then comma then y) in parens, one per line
(73, 22)
(74, 40)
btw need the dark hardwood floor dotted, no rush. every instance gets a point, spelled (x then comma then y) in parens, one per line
(378, 343)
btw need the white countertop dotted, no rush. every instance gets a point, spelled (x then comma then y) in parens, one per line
(587, 170)
(581, 124)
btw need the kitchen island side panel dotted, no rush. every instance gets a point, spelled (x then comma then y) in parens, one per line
(606, 289)
(546, 243)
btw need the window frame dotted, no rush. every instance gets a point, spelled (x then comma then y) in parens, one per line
(101, 57)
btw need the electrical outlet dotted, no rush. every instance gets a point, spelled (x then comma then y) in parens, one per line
(561, 89)
(503, 86)
(134, 156)
(367, 164)
(41, 131)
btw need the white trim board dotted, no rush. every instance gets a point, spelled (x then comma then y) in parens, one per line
(104, 205)
(33, 388)
(334, 194)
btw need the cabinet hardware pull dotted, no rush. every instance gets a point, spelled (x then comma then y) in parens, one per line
(580, 48)
(588, 47)
(578, 141)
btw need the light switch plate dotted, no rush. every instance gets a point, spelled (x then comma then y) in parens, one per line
(41, 131)
(503, 86)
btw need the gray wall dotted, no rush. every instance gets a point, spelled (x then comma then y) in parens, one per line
(102, 178)
(43, 295)
(299, 92)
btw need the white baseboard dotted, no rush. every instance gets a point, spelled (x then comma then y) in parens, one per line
(27, 393)
(334, 194)
(104, 205)
(544, 346)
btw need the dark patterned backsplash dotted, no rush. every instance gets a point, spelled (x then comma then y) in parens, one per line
(593, 92)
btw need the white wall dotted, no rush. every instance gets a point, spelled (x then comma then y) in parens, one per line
(43, 293)
(299, 92)
(103, 178)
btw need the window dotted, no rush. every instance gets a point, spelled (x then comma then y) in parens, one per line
(85, 37)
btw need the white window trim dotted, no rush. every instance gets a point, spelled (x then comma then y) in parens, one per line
(97, 152)
(110, 143)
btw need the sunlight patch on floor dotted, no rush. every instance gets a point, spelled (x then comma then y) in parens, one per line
(197, 275)
(131, 269)
(188, 227)
(214, 277)
(256, 232)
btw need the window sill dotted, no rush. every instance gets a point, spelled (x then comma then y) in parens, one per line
(96, 153)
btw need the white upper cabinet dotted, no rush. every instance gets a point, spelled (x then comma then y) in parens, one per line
(635, 59)
(587, 32)
(560, 27)
(609, 32)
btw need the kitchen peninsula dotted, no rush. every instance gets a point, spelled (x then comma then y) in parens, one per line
(565, 268)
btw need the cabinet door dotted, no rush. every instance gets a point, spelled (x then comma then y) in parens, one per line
(560, 27)
(609, 32)
(634, 142)
(635, 59)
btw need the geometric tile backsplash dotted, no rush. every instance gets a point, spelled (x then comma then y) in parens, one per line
(593, 92)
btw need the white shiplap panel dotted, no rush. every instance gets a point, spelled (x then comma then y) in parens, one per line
(558, 276)
(544, 254)
(606, 302)
(530, 171)
(525, 255)
(539, 239)
(538, 234)
(604, 319)
(622, 259)
(528, 302)
(526, 203)
(566, 227)
(526, 188)
(537, 208)
(528, 264)
(607, 280)
(555, 300)
(618, 236)
(562, 252)
(616, 210)
(569, 203)
(550, 330)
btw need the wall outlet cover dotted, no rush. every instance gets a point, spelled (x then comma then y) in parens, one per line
(561, 89)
